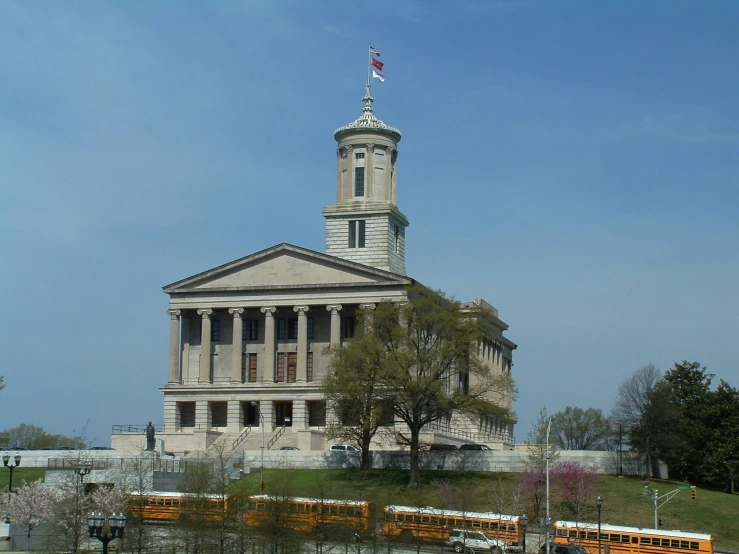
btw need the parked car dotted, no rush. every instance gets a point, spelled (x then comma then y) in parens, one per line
(101, 448)
(562, 549)
(472, 446)
(343, 448)
(289, 448)
(439, 446)
(465, 541)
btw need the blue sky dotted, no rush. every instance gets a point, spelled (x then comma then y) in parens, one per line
(573, 163)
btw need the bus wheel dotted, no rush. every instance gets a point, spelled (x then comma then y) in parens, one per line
(496, 550)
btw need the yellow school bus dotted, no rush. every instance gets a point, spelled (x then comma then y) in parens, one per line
(320, 516)
(436, 524)
(615, 539)
(173, 506)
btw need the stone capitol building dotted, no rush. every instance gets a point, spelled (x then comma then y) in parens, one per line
(248, 339)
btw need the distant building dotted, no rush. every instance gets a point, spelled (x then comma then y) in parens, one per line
(251, 335)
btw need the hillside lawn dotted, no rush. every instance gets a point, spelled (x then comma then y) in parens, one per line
(712, 512)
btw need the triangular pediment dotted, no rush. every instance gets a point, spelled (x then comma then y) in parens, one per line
(285, 266)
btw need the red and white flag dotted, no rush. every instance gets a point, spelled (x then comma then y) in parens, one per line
(378, 64)
(378, 76)
(374, 52)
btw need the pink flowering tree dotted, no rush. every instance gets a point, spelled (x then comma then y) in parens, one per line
(31, 506)
(107, 501)
(532, 487)
(576, 489)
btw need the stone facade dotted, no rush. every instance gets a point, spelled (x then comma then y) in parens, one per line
(249, 340)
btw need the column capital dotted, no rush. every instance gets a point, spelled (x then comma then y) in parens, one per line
(333, 308)
(370, 147)
(349, 148)
(174, 314)
(205, 312)
(236, 311)
(301, 309)
(268, 310)
(368, 306)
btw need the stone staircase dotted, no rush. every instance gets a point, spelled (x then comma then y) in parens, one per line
(253, 442)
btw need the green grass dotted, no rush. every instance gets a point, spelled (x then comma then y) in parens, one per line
(20, 474)
(712, 512)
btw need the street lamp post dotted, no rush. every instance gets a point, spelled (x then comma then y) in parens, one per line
(261, 469)
(11, 467)
(524, 521)
(599, 502)
(95, 525)
(83, 470)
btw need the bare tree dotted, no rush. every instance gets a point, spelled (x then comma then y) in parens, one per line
(635, 408)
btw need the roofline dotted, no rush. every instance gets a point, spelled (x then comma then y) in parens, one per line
(289, 247)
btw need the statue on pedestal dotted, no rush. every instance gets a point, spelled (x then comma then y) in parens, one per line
(150, 440)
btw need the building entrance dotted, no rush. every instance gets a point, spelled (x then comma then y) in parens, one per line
(284, 414)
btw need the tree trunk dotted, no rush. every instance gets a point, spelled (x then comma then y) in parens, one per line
(366, 440)
(415, 470)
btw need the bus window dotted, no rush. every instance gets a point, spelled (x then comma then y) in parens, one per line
(342, 510)
(475, 524)
(425, 519)
(645, 540)
(561, 532)
(494, 526)
(693, 546)
(615, 537)
(684, 544)
(434, 521)
(675, 544)
(634, 540)
(666, 542)
(604, 536)
(389, 517)
(582, 535)
(485, 525)
(592, 536)
(442, 521)
(416, 519)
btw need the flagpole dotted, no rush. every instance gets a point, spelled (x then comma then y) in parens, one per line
(369, 61)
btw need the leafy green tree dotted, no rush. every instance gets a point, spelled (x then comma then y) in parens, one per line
(428, 364)
(352, 389)
(577, 429)
(721, 441)
(691, 393)
(35, 437)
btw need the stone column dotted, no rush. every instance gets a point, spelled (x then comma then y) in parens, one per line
(204, 369)
(300, 415)
(339, 178)
(236, 343)
(185, 338)
(301, 370)
(335, 325)
(268, 414)
(202, 415)
(235, 416)
(267, 367)
(367, 312)
(369, 162)
(174, 346)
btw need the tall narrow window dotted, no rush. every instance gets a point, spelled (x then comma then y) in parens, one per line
(280, 377)
(281, 329)
(252, 368)
(310, 328)
(357, 233)
(397, 239)
(309, 367)
(244, 357)
(292, 366)
(359, 181)
(347, 329)
(250, 330)
(215, 330)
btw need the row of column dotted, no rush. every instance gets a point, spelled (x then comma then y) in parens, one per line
(346, 184)
(268, 364)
